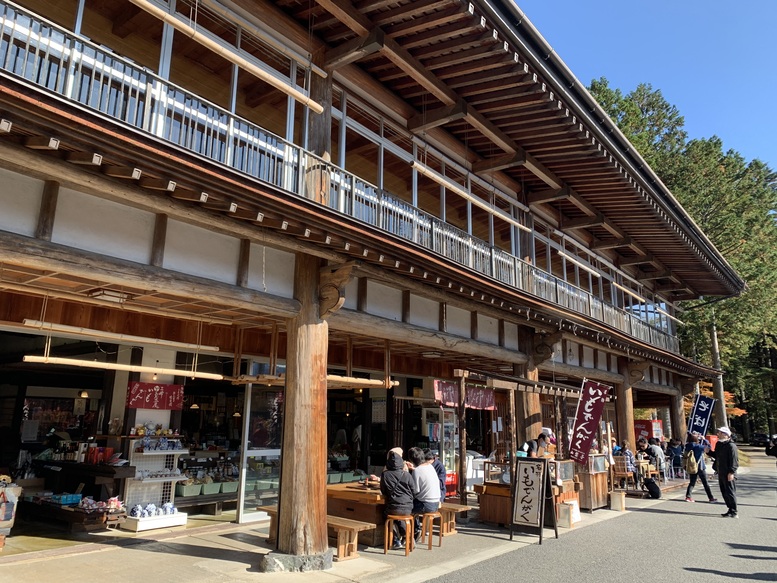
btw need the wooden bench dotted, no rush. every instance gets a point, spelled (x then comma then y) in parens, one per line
(449, 512)
(346, 531)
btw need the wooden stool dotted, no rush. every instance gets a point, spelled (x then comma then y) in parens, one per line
(427, 527)
(388, 531)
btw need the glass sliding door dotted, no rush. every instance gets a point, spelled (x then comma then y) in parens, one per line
(261, 447)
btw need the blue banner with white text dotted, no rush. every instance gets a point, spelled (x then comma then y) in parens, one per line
(701, 414)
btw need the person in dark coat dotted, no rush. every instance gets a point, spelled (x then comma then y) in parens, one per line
(726, 457)
(396, 485)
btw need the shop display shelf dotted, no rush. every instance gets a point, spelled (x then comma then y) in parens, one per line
(229, 487)
(159, 480)
(213, 488)
(152, 522)
(190, 490)
(161, 452)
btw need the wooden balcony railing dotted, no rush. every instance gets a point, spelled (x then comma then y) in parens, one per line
(54, 60)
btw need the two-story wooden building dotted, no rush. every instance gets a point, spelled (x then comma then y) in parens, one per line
(284, 197)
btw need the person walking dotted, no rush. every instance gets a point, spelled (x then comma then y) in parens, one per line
(695, 447)
(726, 458)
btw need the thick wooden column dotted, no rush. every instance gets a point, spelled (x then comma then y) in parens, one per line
(677, 416)
(302, 511)
(528, 410)
(624, 405)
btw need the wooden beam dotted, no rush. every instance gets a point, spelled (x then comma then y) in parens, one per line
(491, 165)
(545, 196)
(48, 209)
(376, 327)
(613, 244)
(650, 275)
(85, 158)
(41, 143)
(157, 183)
(221, 206)
(437, 117)
(636, 261)
(583, 222)
(160, 238)
(189, 195)
(354, 50)
(243, 263)
(127, 172)
(18, 250)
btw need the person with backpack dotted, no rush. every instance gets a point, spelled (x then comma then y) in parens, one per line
(693, 463)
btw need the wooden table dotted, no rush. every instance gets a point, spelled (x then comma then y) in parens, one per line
(358, 502)
(448, 510)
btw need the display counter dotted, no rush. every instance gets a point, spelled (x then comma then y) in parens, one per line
(495, 502)
(593, 483)
(358, 502)
(101, 481)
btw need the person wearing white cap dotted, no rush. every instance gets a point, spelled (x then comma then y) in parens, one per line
(727, 462)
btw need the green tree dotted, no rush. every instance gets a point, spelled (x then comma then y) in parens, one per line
(734, 204)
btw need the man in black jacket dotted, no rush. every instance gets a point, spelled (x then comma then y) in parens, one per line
(726, 463)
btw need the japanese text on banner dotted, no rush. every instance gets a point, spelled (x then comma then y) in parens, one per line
(154, 396)
(589, 412)
(700, 414)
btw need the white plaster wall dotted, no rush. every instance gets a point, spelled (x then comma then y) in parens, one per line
(602, 360)
(384, 301)
(588, 357)
(613, 363)
(272, 269)
(352, 294)
(424, 312)
(458, 322)
(488, 329)
(102, 226)
(511, 336)
(20, 198)
(196, 251)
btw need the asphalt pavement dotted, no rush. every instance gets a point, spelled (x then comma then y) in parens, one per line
(653, 540)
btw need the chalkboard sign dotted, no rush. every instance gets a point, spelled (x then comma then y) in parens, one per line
(532, 496)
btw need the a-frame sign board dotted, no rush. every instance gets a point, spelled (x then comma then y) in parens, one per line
(532, 496)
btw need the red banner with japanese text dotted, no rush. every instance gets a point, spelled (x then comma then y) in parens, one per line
(447, 393)
(155, 396)
(589, 412)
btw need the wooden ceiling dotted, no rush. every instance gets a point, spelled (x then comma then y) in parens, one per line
(440, 54)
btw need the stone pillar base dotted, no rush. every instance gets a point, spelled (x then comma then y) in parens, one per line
(275, 562)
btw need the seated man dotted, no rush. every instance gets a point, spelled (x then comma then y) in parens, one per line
(397, 487)
(654, 453)
(536, 447)
(426, 487)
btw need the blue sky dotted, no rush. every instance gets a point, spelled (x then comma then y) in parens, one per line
(715, 60)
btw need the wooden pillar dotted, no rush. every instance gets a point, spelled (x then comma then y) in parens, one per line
(528, 410)
(462, 469)
(677, 417)
(302, 510)
(624, 405)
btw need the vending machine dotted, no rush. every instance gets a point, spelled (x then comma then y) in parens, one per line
(442, 430)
